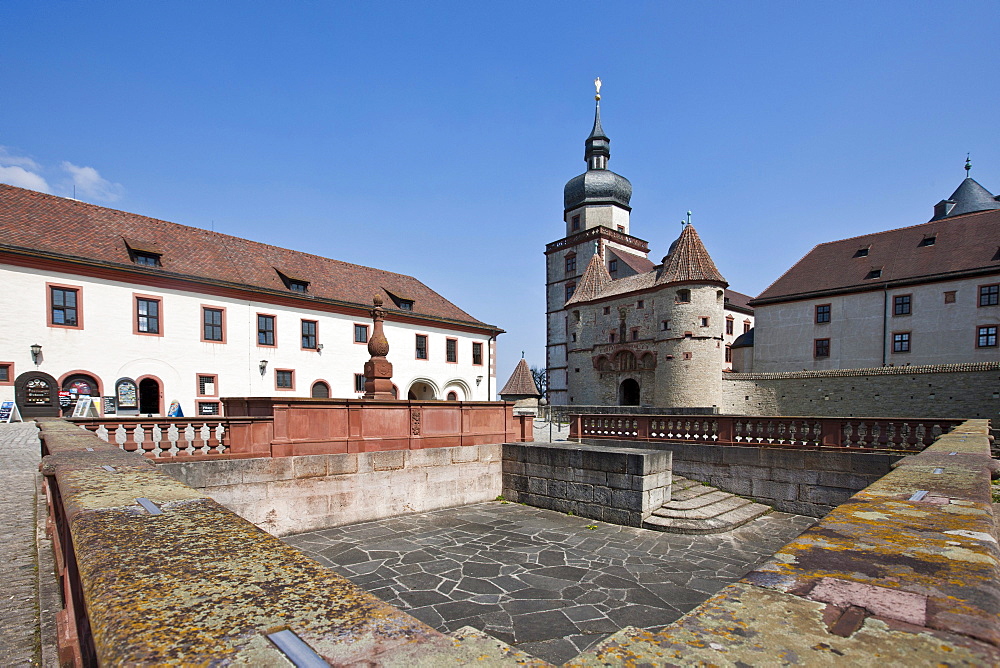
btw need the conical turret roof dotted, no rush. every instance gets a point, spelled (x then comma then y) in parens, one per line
(689, 261)
(968, 198)
(521, 382)
(595, 278)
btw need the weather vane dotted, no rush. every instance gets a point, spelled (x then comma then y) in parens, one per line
(968, 165)
(597, 85)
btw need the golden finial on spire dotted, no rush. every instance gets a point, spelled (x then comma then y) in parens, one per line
(597, 85)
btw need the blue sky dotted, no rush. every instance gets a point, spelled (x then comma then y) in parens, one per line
(434, 139)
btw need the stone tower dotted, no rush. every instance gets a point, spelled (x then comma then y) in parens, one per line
(691, 300)
(596, 215)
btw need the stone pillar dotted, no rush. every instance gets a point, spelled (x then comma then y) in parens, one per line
(378, 370)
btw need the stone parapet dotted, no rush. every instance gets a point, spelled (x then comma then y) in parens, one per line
(617, 485)
(903, 573)
(185, 581)
(876, 371)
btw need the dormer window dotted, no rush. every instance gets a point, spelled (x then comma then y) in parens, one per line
(143, 253)
(405, 304)
(928, 240)
(874, 273)
(402, 302)
(612, 266)
(862, 252)
(146, 259)
(293, 283)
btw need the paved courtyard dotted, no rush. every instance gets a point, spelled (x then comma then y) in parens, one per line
(548, 583)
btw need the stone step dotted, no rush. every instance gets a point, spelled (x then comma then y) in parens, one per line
(725, 522)
(696, 508)
(719, 507)
(707, 498)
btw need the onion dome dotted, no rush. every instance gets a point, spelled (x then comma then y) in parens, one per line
(598, 185)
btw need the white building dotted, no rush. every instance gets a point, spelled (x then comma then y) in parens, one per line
(927, 294)
(150, 312)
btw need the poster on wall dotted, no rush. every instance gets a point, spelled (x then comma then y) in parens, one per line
(109, 406)
(127, 395)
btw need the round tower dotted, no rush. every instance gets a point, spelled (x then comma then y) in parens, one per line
(691, 302)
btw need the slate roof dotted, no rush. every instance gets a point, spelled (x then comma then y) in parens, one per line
(689, 261)
(963, 245)
(35, 223)
(738, 301)
(521, 382)
(969, 197)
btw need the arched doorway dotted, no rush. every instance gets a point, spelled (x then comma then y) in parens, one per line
(421, 391)
(149, 396)
(452, 396)
(320, 390)
(628, 393)
(37, 395)
(79, 385)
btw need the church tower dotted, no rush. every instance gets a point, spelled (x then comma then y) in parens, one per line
(596, 215)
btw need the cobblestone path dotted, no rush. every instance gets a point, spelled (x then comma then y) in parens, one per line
(19, 624)
(545, 582)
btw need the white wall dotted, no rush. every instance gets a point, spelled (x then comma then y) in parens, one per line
(107, 348)
(940, 333)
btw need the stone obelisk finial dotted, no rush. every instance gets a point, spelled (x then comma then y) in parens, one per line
(378, 370)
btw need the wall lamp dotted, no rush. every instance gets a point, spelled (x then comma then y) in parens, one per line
(479, 379)
(36, 350)
(263, 366)
(319, 347)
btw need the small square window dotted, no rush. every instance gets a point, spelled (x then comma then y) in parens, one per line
(405, 304)
(309, 334)
(284, 379)
(208, 408)
(949, 297)
(901, 304)
(477, 353)
(607, 310)
(576, 223)
(901, 342)
(664, 325)
(621, 228)
(359, 382)
(207, 386)
(640, 304)
(986, 337)
(6, 372)
(704, 322)
(822, 313)
(611, 337)
(635, 334)
(688, 356)
(298, 286)
(612, 266)
(361, 333)
(874, 273)
(989, 295)
(821, 348)
(451, 350)
(683, 296)
(421, 346)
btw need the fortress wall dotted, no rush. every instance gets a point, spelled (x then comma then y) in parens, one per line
(945, 390)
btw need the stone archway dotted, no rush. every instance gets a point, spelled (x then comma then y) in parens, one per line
(421, 391)
(150, 396)
(37, 395)
(628, 393)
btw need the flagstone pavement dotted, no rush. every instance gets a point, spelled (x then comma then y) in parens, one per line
(550, 584)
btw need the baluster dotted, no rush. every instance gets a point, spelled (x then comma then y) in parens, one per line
(217, 440)
(102, 433)
(921, 433)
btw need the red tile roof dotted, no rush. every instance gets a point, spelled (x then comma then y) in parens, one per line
(639, 265)
(593, 282)
(36, 222)
(963, 245)
(521, 382)
(738, 300)
(689, 261)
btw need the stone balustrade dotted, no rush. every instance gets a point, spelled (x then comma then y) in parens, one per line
(883, 434)
(278, 427)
